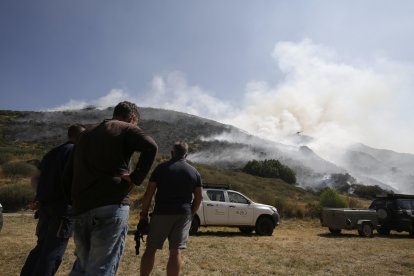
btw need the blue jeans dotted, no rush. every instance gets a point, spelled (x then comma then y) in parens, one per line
(99, 236)
(53, 231)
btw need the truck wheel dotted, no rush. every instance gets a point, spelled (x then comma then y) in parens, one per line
(384, 231)
(246, 229)
(366, 230)
(334, 231)
(195, 223)
(264, 226)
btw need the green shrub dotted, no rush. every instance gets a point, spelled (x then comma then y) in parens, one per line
(281, 204)
(14, 170)
(270, 168)
(313, 210)
(14, 197)
(287, 174)
(331, 198)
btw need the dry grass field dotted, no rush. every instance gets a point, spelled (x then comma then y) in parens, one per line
(297, 247)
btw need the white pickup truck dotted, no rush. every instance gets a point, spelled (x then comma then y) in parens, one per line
(224, 207)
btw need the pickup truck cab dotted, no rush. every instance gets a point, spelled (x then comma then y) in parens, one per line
(395, 212)
(224, 207)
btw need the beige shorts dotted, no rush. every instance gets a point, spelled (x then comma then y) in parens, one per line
(174, 227)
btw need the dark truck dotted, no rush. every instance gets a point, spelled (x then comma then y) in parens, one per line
(395, 212)
(386, 213)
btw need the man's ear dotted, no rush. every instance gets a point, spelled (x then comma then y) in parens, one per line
(132, 120)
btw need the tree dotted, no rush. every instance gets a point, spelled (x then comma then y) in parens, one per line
(270, 168)
(368, 192)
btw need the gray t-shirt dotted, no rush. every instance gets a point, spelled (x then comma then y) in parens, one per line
(176, 181)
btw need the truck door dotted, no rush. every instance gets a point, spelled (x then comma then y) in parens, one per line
(215, 208)
(405, 214)
(240, 209)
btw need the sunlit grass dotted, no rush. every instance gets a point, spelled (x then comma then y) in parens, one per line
(297, 247)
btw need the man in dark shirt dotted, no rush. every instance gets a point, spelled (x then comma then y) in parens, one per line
(176, 183)
(55, 223)
(98, 181)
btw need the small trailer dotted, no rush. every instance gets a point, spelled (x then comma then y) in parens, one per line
(363, 220)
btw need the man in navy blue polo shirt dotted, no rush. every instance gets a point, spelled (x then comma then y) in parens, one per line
(54, 227)
(178, 195)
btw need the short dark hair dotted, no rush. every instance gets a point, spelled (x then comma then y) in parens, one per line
(75, 130)
(180, 148)
(126, 110)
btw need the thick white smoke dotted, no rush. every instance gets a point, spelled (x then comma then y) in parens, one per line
(320, 95)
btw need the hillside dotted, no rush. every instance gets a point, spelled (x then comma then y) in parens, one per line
(49, 128)
(219, 145)
(44, 129)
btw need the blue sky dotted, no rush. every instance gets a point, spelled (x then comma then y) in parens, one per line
(333, 69)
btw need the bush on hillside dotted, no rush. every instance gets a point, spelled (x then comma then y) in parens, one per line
(368, 192)
(331, 198)
(314, 210)
(291, 209)
(15, 170)
(5, 157)
(270, 168)
(14, 197)
(281, 205)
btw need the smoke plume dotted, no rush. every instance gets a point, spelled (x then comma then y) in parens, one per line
(333, 100)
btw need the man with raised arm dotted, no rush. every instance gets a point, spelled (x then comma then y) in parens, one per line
(99, 181)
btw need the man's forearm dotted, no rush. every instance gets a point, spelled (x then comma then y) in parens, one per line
(195, 205)
(197, 200)
(146, 202)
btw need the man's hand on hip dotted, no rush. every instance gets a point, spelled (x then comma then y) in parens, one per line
(127, 178)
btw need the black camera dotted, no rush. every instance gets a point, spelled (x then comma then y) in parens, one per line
(142, 229)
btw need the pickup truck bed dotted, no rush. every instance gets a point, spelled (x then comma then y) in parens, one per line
(336, 219)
